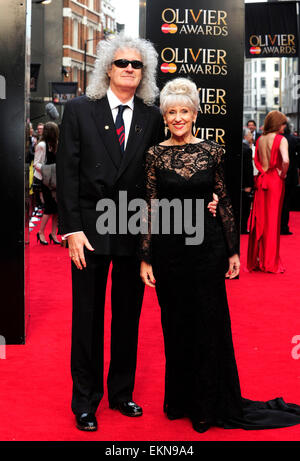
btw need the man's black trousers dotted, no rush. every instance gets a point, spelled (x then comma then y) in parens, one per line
(88, 288)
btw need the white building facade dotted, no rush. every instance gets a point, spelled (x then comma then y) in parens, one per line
(262, 92)
(291, 90)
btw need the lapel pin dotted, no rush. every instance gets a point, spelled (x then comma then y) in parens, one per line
(106, 127)
(138, 129)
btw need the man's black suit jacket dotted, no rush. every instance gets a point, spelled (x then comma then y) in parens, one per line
(247, 170)
(91, 166)
(256, 136)
(294, 149)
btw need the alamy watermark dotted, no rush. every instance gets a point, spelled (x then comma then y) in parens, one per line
(2, 348)
(164, 217)
(295, 352)
(2, 87)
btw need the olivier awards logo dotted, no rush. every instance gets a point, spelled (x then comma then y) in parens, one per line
(215, 134)
(212, 101)
(192, 22)
(187, 61)
(277, 44)
(211, 60)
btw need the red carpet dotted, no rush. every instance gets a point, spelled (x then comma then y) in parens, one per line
(35, 381)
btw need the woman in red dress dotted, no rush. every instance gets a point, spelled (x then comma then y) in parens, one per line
(272, 162)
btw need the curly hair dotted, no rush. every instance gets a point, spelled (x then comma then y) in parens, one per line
(106, 50)
(182, 91)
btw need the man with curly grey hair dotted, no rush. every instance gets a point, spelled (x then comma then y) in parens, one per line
(104, 136)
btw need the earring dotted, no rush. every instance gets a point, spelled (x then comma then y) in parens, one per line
(194, 129)
(166, 130)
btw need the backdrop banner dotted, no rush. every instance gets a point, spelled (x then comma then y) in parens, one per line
(204, 41)
(14, 170)
(271, 30)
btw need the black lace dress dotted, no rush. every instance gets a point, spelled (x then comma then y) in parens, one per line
(201, 378)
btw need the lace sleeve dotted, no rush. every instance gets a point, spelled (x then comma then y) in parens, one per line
(224, 205)
(147, 215)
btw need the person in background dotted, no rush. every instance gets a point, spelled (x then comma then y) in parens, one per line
(251, 124)
(45, 154)
(291, 179)
(247, 178)
(39, 131)
(272, 162)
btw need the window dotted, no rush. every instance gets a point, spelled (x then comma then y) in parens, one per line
(276, 101)
(90, 43)
(276, 67)
(262, 100)
(75, 33)
(261, 119)
(263, 82)
(75, 74)
(263, 66)
(276, 83)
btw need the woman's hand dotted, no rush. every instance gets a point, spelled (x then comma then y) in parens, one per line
(234, 267)
(146, 274)
(281, 173)
(212, 206)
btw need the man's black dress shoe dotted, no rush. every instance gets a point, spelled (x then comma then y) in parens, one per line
(286, 232)
(86, 422)
(127, 408)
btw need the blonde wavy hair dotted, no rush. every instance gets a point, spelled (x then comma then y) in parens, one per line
(106, 50)
(179, 91)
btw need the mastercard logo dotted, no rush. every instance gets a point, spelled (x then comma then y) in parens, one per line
(255, 50)
(169, 28)
(168, 67)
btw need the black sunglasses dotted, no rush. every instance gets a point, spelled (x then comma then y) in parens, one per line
(123, 63)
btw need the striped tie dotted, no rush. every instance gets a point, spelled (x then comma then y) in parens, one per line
(120, 128)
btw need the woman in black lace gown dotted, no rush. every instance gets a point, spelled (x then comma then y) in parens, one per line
(201, 378)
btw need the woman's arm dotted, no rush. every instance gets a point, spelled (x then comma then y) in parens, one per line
(226, 214)
(146, 271)
(39, 156)
(225, 206)
(284, 151)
